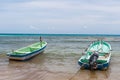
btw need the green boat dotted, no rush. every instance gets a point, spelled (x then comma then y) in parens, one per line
(28, 51)
(96, 56)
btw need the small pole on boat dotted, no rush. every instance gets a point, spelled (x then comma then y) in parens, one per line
(12, 51)
(40, 41)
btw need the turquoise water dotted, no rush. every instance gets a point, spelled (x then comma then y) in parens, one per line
(58, 42)
(7, 34)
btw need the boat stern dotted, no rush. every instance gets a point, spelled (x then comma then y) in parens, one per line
(103, 66)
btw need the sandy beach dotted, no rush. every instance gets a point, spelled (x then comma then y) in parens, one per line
(33, 69)
(58, 62)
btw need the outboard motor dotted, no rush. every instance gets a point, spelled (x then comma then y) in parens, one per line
(92, 61)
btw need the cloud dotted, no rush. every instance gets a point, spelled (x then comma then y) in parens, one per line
(34, 27)
(58, 14)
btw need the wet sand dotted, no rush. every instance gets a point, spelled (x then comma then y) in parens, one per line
(46, 67)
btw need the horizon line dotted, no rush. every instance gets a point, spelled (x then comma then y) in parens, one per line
(60, 34)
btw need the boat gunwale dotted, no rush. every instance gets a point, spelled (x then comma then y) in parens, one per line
(25, 54)
(96, 42)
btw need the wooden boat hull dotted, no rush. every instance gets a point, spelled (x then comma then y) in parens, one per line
(25, 56)
(103, 61)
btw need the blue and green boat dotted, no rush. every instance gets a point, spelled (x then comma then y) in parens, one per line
(28, 51)
(96, 56)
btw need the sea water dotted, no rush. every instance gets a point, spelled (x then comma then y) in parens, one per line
(56, 42)
(60, 56)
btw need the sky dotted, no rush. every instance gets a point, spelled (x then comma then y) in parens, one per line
(60, 16)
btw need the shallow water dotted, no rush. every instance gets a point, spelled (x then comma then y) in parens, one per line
(59, 60)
